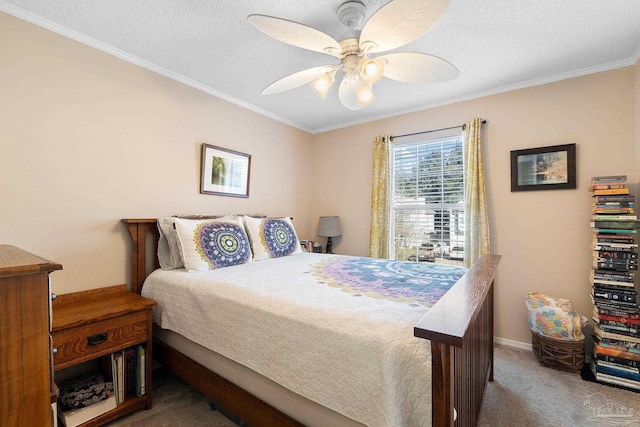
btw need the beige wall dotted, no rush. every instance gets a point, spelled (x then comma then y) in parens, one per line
(543, 236)
(88, 139)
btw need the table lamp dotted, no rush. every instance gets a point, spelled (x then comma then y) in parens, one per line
(329, 226)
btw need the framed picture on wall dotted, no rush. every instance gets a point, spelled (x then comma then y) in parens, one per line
(224, 172)
(544, 168)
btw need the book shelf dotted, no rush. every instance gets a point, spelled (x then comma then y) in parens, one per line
(613, 278)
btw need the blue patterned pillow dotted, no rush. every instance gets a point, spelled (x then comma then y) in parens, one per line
(272, 237)
(211, 244)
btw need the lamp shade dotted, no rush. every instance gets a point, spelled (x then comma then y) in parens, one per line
(329, 226)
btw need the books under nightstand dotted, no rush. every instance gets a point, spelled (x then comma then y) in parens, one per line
(108, 329)
(616, 352)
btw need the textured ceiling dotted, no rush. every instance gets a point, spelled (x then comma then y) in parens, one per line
(497, 45)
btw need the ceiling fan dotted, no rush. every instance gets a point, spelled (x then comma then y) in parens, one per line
(395, 24)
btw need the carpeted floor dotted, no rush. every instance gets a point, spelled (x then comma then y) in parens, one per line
(523, 394)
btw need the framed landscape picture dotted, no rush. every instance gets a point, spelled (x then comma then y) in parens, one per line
(224, 172)
(544, 168)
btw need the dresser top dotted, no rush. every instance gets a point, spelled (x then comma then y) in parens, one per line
(15, 261)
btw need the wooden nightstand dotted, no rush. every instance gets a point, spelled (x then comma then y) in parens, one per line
(95, 323)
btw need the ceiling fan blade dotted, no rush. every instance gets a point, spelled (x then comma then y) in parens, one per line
(296, 34)
(295, 80)
(400, 22)
(348, 92)
(410, 67)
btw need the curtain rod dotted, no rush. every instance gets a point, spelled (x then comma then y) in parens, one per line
(464, 126)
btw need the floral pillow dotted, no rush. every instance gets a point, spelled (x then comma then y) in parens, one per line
(554, 317)
(169, 250)
(211, 244)
(272, 237)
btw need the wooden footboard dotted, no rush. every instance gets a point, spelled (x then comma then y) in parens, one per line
(459, 326)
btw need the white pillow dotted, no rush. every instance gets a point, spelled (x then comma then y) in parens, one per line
(169, 251)
(211, 244)
(272, 237)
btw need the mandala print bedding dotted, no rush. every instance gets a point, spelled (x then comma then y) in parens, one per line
(337, 330)
(405, 282)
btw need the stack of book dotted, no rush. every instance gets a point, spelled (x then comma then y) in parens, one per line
(616, 353)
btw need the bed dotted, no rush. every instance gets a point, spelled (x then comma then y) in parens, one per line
(458, 325)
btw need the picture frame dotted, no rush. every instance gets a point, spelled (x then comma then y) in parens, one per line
(544, 168)
(224, 172)
(306, 245)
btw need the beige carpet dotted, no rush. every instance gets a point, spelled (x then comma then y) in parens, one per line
(522, 394)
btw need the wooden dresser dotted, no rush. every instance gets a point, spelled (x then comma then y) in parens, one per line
(25, 348)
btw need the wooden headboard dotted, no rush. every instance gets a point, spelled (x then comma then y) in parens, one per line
(139, 230)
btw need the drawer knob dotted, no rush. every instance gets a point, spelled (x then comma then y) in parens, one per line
(54, 351)
(97, 339)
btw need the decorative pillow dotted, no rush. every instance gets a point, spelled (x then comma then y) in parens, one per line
(554, 317)
(169, 250)
(210, 244)
(272, 237)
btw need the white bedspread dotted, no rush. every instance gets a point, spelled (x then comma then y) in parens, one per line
(344, 347)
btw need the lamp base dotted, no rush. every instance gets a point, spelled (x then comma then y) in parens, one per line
(329, 248)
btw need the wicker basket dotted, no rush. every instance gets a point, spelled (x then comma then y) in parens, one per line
(558, 354)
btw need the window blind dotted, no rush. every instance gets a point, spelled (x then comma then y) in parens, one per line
(428, 199)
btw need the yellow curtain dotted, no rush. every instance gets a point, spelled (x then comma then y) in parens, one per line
(476, 242)
(379, 229)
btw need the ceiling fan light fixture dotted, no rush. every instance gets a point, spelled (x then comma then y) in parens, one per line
(371, 69)
(323, 84)
(364, 94)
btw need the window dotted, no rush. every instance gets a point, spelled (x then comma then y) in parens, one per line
(427, 201)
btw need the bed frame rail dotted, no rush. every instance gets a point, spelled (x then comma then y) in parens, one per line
(459, 326)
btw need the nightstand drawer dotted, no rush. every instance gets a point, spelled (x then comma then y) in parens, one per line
(79, 344)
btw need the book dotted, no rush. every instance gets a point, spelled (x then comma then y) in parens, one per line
(610, 191)
(616, 223)
(114, 375)
(612, 184)
(129, 372)
(607, 361)
(621, 356)
(613, 217)
(616, 231)
(141, 370)
(119, 358)
(612, 379)
(614, 296)
(623, 373)
(616, 254)
(628, 346)
(618, 247)
(75, 417)
(619, 336)
(619, 327)
(612, 277)
(608, 178)
(617, 298)
(623, 287)
(613, 265)
(628, 237)
(613, 198)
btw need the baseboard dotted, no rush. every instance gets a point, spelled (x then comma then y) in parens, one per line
(511, 343)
